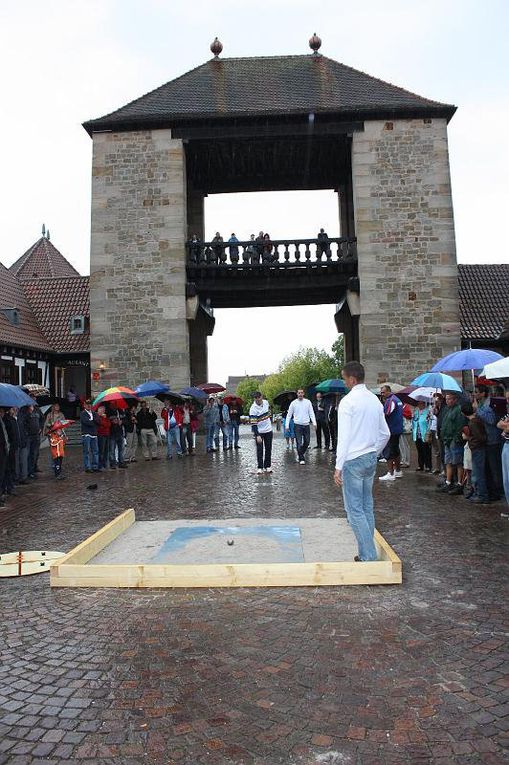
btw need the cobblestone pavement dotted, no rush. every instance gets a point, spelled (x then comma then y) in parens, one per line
(397, 674)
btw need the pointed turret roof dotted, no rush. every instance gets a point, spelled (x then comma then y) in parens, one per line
(42, 260)
(25, 332)
(273, 85)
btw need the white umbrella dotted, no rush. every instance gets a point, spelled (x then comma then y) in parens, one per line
(497, 369)
(424, 394)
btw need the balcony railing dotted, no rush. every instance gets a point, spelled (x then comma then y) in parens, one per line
(292, 253)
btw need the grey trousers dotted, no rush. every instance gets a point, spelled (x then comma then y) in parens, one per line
(148, 443)
(132, 445)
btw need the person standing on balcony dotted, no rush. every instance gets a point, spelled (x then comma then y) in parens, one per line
(234, 249)
(259, 246)
(301, 409)
(218, 247)
(267, 249)
(195, 249)
(250, 251)
(323, 243)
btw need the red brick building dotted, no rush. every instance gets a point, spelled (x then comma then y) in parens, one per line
(44, 321)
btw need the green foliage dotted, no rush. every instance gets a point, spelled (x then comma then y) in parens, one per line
(245, 390)
(338, 352)
(303, 368)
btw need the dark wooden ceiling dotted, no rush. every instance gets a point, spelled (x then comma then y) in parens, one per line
(277, 163)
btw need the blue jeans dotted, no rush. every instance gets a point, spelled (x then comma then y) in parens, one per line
(90, 446)
(173, 437)
(209, 437)
(302, 434)
(234, 432)
(358, 476)
(104, 451)
(116, 446)
(224, 427)
(479, 473)
(505, 469)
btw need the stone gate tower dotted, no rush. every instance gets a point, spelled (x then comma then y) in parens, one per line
(271, 123)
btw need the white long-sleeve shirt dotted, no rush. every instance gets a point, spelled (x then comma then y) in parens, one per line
(302, 412)
(361, 425)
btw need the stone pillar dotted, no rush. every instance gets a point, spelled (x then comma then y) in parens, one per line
(406, 247)
(138, 271)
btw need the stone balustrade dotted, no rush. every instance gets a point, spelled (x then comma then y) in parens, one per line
(276, 253)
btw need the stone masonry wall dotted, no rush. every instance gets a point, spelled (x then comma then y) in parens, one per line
(137, 281)
(406, 246)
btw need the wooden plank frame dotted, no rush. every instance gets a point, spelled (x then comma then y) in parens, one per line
(73, 571)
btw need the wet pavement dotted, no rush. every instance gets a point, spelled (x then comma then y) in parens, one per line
(417, 673)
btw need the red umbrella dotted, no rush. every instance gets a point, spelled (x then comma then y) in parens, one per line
(484, 381)
(212, 387)
(233, 400)
(61, 425)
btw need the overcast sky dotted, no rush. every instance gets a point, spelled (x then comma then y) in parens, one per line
(65, 61)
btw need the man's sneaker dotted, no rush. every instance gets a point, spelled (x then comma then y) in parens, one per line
(302, 462)
(259, 471)
(444, 488)
(382, 460)
(268, 470)
(398, 474)
(478, 501)
(455, 490)
(387, 477)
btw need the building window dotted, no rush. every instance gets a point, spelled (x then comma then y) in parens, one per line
(12, 316)
(31, 374)
(77, 325)
(8, 372)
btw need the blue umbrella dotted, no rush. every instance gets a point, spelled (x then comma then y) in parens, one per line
(436, 380)
(471, 358)
(12, 395)
(331, 386)
(151, 388)
(196, 393)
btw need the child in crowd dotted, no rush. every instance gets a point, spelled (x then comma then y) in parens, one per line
(57, 440)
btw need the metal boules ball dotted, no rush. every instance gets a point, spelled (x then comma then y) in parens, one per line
(229, 542)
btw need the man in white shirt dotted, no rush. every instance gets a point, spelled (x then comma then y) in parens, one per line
(362, 434)
(301, 409)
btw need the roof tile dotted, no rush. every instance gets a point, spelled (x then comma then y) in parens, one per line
(484, 300)
(277, 85)
(42, 260)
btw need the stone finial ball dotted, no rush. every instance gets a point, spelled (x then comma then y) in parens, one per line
(216, 47)
(315, 43)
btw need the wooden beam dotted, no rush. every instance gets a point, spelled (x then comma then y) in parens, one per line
(230, 575)
(97, 542)
(71, 570)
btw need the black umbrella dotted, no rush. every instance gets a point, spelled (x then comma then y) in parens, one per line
(285, 397)
(174, 398)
